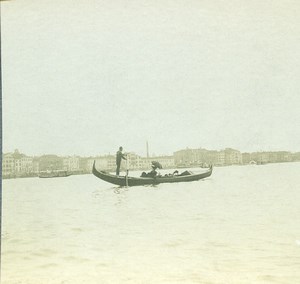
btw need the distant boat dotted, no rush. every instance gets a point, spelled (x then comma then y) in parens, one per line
(53, 174)
(139, 181)
(185, 166)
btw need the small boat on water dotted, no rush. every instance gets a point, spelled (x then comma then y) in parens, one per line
(53, 174)
(139, 181)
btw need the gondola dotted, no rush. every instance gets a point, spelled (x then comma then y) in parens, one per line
(140, 181)
(53, 174)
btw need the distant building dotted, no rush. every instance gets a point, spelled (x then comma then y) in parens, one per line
(8, 164)
(246, 158)
(200, 157)
(165, 161)
(50, 162)
(220, 161)
(16, 164)
(107, 163)
(26, 165)
(271, 157)
(83, 165)
(296, 157)
(71, 164)
(284, 156)
(133, 162)
(188, 157)
(36, 165)
(232, 157)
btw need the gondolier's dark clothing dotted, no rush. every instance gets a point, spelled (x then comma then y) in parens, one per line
(119, 158)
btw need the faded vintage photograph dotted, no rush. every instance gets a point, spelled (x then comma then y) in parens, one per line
(150, 142)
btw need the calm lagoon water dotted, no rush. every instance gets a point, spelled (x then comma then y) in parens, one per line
(241, 225)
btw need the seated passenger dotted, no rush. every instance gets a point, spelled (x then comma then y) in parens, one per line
(151, 174)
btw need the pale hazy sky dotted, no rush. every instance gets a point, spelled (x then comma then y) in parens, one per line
(84, 77)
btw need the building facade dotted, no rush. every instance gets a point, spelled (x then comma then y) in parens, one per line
(203, 157)
(16, 164)
(71, 163)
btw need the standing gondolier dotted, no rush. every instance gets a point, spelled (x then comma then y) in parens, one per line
(119, 157)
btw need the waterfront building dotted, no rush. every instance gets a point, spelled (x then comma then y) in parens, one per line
(257, 157)
(71, 163)
(232, 157)
(111, 162)
(106, 163)
(8, 164)
(50, 162)
(165, 161)
(296, 156)
(83, 165)
(190, 157)
(36, 165)
(203, 157)
(136, 162)
(26, 165)
(220, 161)
(100, 163)
(133, 162)
(271, 157)
(16, 164)
(284, 156)
(183, 157)
(246, 158)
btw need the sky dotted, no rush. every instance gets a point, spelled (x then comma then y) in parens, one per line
(85, 77)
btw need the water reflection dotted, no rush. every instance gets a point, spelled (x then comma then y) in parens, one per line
(120, 194)
(120, 190)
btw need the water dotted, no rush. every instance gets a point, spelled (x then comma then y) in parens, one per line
(241, 225)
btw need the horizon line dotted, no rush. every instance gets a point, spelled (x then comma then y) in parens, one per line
(154, 155)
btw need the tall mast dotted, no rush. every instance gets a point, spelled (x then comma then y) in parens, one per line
(147, 146)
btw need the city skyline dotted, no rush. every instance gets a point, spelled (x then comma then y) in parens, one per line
(90, 77)
(144, 155)
(20, 165)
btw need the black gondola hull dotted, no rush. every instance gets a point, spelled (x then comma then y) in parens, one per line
(140, 181)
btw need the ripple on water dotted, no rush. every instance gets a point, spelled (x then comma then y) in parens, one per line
(271, 279)
(79, 230)
(48, 265)
(102, 264)
(72, 258)
(174, 244)
(45, 253)
(9, 252)
(15, 241)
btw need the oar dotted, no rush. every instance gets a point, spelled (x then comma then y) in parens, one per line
(126, 170)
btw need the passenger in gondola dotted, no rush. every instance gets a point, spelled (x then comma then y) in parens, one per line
(119, 157)
(175, 173)
(153, 172)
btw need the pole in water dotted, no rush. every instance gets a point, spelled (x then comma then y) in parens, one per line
(127, 171)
